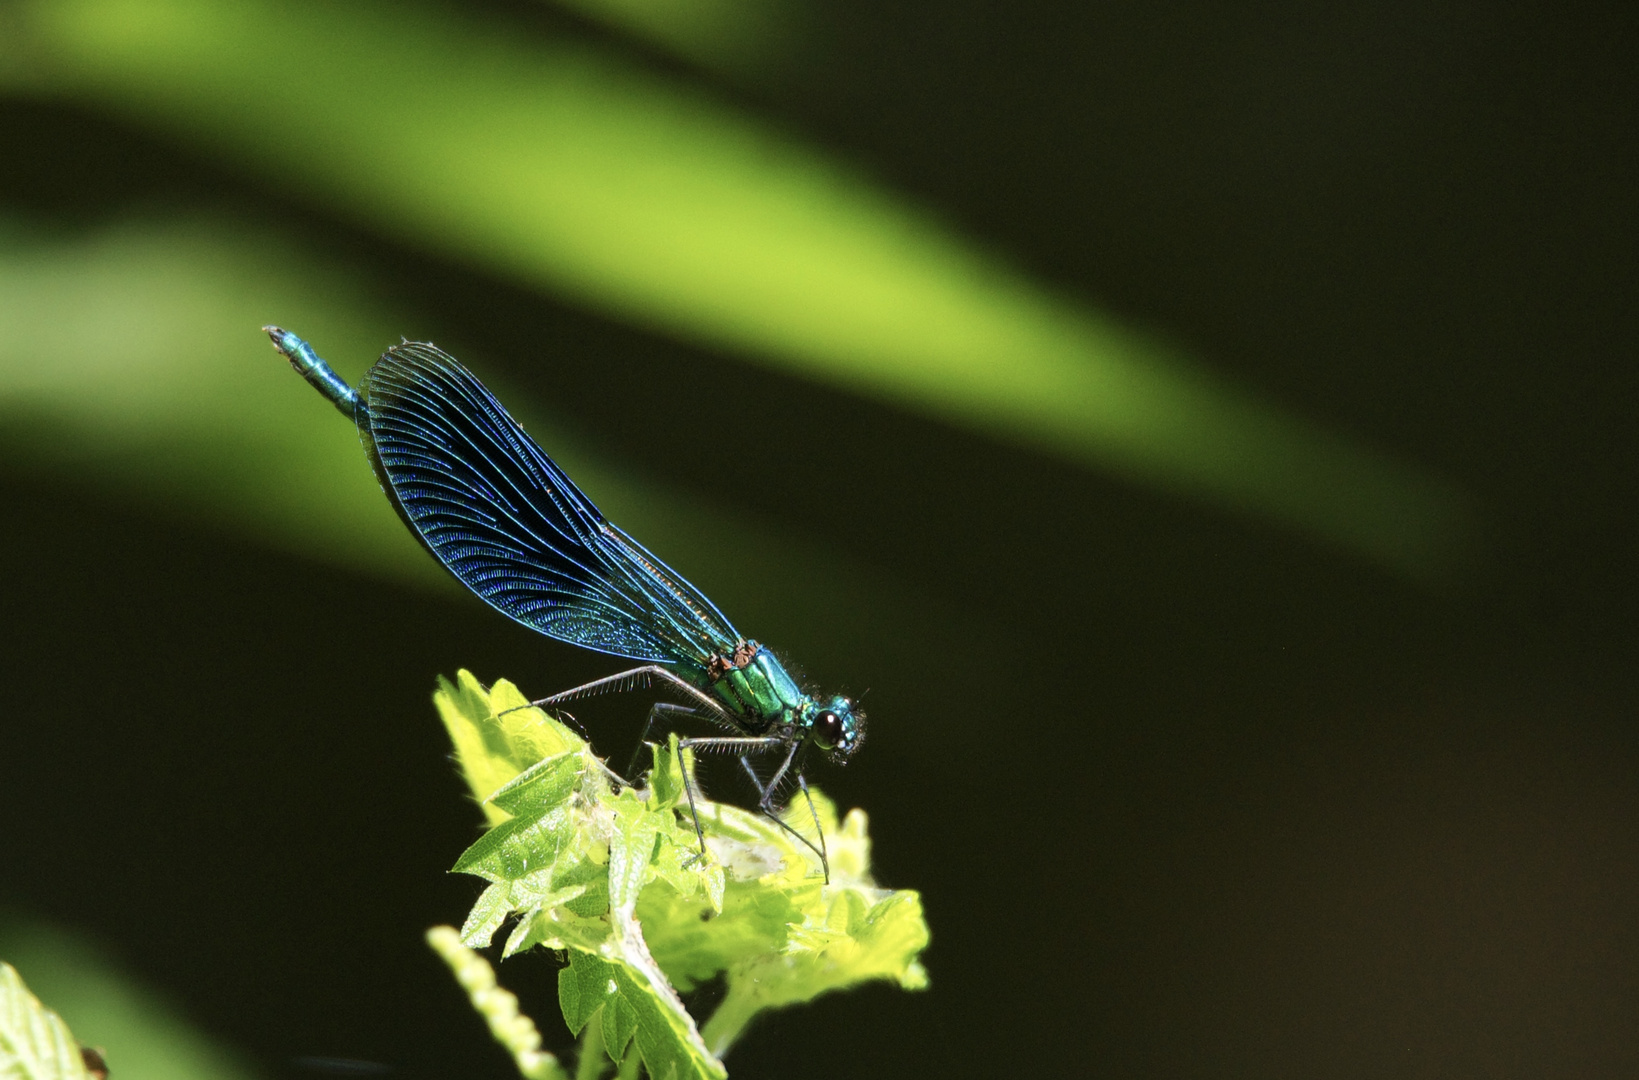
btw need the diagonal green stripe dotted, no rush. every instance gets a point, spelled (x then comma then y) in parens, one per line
(568, 170)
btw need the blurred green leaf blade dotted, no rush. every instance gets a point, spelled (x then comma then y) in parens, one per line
(573, 171)
(739, 37)
(129, 363)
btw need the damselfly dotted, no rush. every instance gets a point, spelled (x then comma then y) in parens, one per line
(490, 505)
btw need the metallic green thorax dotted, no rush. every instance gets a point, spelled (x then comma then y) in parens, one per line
(753, 685)
(762, 699)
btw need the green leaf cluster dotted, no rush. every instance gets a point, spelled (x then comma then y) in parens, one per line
(611, 874)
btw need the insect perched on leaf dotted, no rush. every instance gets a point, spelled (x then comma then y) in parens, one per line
(504, 519)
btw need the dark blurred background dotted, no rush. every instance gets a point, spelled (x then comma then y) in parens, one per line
(1186, 792)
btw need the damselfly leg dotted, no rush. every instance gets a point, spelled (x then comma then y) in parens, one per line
(706, 707)
(768, 793)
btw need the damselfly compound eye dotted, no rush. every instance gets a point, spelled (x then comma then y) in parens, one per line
(828, 729)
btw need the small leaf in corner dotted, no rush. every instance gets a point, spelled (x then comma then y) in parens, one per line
(34, 1041)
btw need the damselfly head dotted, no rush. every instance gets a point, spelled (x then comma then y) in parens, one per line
(839, 728)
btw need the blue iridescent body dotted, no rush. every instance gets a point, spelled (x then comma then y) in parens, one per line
(499, 514)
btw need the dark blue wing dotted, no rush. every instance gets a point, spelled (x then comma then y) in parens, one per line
(501, 515)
